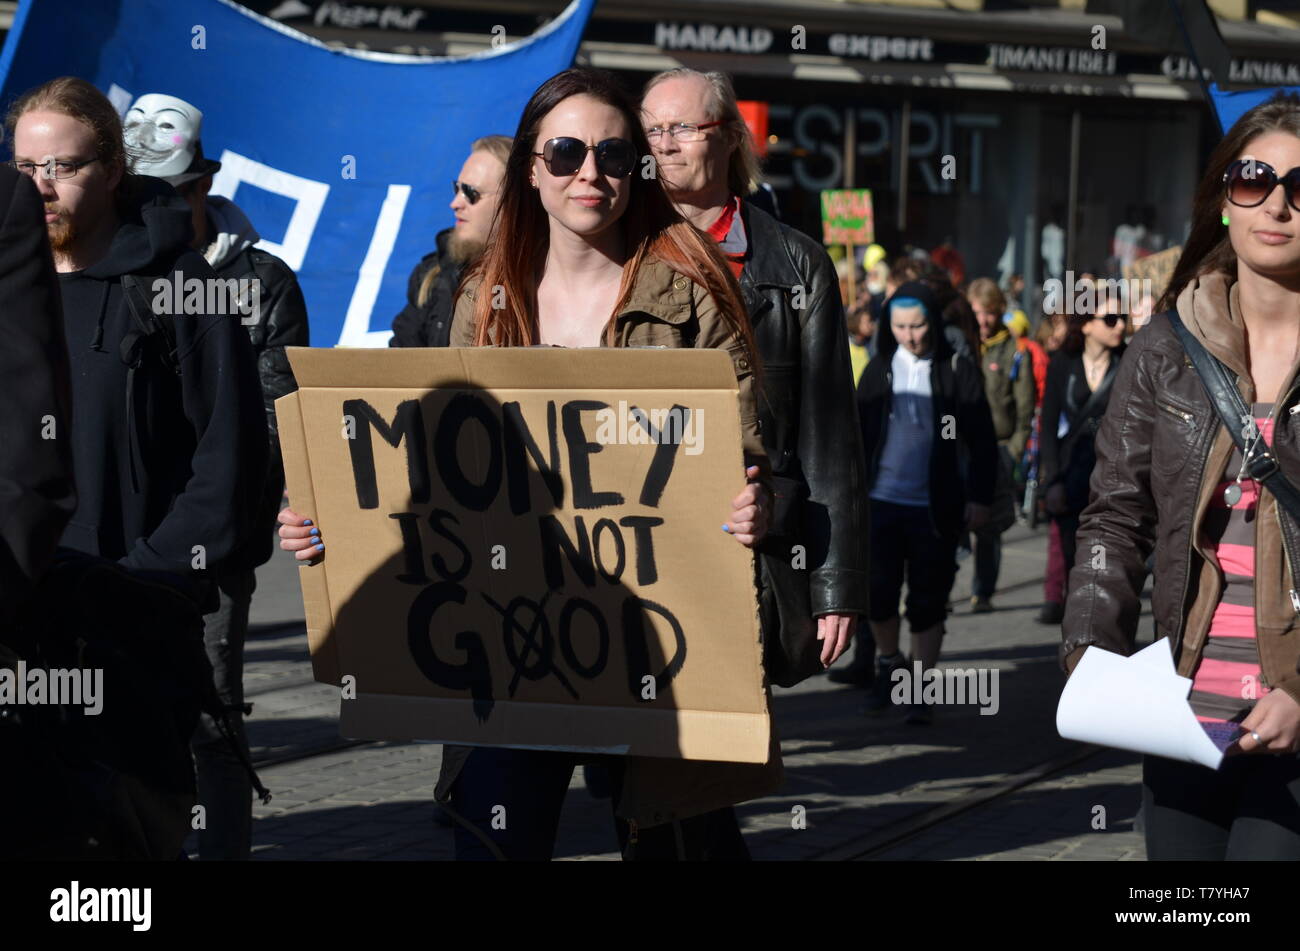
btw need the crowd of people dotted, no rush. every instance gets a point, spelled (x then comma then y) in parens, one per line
(880, 439)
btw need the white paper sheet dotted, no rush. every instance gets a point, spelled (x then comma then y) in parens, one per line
(1136, 703)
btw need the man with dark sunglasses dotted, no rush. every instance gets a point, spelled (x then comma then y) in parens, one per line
(425, 321)
(813, 576)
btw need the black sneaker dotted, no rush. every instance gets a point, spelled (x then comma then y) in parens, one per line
(878, 699)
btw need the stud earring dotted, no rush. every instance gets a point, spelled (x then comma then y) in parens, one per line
(1225, 219)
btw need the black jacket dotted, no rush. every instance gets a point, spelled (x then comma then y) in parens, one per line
(429, 325)
(168, 467)
(963, 460)
(36, 486)
(806, 411)
(282, 322)
(1070, 458)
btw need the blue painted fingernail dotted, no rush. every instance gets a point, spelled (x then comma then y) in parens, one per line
(725, 529)
(315, 531)
(306, 521)
(320, 547)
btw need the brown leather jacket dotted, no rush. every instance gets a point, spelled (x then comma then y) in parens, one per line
(1161, 452)
(667, 309)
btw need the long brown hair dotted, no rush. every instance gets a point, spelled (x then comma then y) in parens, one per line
(652, 228)
(1208, 248)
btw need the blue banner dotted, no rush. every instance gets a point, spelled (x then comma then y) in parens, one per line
(342, 159)
(1231, 106)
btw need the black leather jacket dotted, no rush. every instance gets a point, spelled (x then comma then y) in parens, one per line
(807, 412)
(282, 323)
(429, 325)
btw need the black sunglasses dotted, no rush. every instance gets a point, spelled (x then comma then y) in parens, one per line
(564, 156)
(472, 194)
(1250, 181)
(1110, 319)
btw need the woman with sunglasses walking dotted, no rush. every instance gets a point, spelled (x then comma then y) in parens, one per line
(588, 252)
(1170, 476)
(593, 254)
(1079, 381)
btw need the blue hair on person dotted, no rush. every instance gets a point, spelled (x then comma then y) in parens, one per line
(909, 302)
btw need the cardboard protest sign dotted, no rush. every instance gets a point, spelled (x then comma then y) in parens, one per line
(524, 548)
(1157, 268)
(847, 216)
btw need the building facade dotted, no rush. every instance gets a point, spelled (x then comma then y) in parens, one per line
(1037, 136)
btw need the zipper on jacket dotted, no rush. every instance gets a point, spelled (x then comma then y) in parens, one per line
(1180, 635)
(1286, 553)
(1277, 508)
(1184, 416)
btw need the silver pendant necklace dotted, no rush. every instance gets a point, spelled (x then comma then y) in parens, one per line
(1232, 494)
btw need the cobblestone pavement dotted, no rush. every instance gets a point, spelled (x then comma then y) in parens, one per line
(857, 781)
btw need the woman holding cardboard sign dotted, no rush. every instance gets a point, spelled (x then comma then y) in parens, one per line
(594, 254)
(1217, 503)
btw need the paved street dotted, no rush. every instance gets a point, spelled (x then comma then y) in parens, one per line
(862, 782)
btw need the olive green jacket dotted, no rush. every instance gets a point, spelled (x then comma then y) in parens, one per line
(667, 309)
(1010, 401)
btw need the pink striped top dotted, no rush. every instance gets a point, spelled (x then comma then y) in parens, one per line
(1226, 683)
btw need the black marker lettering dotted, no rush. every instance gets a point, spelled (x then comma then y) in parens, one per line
(436, 519)
(474, 675)
(459, 410)
(646, 572)
(556, 542)
(607, 524)
(518, 441)
(636, 633)
(661, 464)
(408, 424)
(597, 667)
(580, 452)
(412, 550)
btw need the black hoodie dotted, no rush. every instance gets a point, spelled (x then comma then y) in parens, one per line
(957, 388)
(167, 467)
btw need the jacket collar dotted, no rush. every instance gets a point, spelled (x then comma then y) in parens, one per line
(657, 290)
(766, 260)
(1209, 307)
(993, 341)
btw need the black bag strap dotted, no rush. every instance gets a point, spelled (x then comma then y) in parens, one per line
(149, 322)
(1235, 414)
